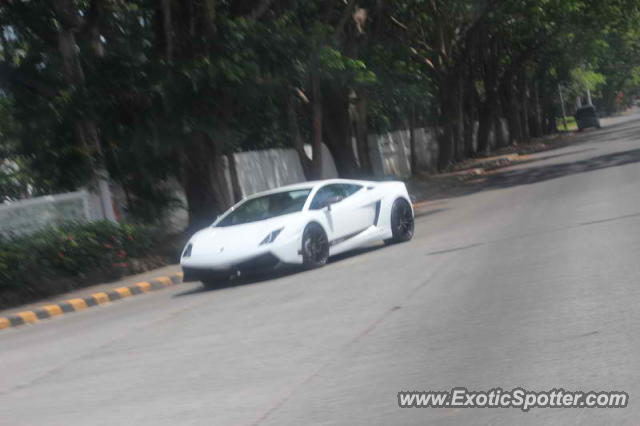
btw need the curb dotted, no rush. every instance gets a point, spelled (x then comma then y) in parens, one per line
(96, 299)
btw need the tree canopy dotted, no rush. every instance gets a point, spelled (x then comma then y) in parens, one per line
(141, 91)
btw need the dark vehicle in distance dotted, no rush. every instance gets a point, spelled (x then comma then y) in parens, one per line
(587, 117)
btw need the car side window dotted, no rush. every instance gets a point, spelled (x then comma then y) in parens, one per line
(327, 192)
(350, 188)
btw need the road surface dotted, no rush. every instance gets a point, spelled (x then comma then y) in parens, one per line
(531, 280)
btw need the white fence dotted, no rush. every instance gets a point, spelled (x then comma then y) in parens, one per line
(390, 153)
(269, 168)
(265, 169)
(27, 216)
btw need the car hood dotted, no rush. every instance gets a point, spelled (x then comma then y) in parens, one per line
(243, 237)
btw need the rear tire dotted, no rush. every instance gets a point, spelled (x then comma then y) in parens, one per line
(315, 246)
(402, 223)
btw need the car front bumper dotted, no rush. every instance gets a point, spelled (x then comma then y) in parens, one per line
(220, 264)
(260, 263)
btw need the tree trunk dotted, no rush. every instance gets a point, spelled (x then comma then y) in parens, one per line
(296, 137)
(204, 184)
(490, 106)
(524, 107)
(457, 98)
(167, 29)
(488, 111)
(361, 133)
(511, 108)
(412, 141)
(451, 110)
(93, 20)
(537, 111)
(484, 127)
(502, 140)
(86, 130)
(336, 129)
(233, 175)
(470, 115)
(317, 124)
(549, 113)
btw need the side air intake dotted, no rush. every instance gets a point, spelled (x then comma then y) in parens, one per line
(377, 216)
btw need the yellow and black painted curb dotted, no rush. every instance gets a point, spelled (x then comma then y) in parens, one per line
(74, 305)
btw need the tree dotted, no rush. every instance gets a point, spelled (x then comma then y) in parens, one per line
(144, 92)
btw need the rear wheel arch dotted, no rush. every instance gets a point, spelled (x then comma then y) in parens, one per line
(401, 220)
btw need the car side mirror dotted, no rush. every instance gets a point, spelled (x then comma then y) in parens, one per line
(332, 200)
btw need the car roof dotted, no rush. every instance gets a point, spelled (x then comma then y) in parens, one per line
(308, 185)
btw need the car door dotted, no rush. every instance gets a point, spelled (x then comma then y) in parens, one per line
(353, 214)
(359, 208)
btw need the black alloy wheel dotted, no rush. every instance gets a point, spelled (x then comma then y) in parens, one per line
(315, 246)
(402, 223)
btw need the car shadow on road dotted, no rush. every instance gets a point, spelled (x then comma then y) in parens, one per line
(284, 271)
(356, 252)
(421, 213)
(243, 280)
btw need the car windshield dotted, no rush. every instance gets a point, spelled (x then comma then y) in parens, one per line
(266, 207)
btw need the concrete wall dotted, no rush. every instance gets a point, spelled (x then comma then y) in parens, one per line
(265, 169)
(270, 168)
(391, 152)
(329, 170)
(28, 216)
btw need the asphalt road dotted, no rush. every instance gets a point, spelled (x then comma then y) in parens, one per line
(531, 280)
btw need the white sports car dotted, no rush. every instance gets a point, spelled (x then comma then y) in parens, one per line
(302, 224)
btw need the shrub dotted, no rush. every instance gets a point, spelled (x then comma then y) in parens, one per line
(73, 250)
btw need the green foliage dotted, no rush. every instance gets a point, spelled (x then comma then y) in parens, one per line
(334, 64)
(571, 123)
(15, 181)
(231, 74)
(72, 250)
(583, 79)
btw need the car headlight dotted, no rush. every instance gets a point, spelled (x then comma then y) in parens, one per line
(271, 237)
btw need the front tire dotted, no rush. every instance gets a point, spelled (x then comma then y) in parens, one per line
(402, 223)
(315, 246)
